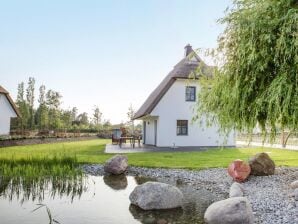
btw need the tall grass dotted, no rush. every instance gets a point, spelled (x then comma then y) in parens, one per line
(30, 178)
(61, 166)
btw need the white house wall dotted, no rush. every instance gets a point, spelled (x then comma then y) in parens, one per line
(173, 107)
(6, 113)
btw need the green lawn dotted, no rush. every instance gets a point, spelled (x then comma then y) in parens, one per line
(92, 151)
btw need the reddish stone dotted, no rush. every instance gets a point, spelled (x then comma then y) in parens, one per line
(239, 170)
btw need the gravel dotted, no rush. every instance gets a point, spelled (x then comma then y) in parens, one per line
(270, 196)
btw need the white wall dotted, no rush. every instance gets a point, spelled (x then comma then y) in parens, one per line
(150, 132)
(173, 107)
(6, 112)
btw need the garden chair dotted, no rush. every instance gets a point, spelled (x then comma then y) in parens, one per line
(116, 134)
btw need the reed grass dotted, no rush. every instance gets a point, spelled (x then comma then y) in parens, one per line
(29, 179)
(34, 167)
(51, 219)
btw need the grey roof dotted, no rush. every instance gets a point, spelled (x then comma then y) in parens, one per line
(190, 67)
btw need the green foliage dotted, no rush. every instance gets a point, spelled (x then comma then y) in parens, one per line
(130, 115)
(22, 123)
(53, 102)
(257, 78)
(49, 116)
(30, 101)
(97, 117)
(83, 119)
(66, 119)
(42, 118)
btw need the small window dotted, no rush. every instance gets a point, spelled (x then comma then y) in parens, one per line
(190, 93)
(182, 127)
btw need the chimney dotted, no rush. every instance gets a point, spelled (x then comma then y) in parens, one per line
(188, 50)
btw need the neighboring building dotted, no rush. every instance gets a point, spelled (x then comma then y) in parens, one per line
(7, 110)
(168, 112)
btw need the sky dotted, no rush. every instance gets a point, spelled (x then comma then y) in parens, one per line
(109, 54)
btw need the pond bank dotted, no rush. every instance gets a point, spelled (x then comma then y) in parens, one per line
(269, 196)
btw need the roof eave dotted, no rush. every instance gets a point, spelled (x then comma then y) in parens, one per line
(13, 105)
(16, 110)
(139, 117)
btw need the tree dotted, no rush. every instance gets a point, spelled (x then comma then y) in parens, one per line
(53, 101)
(107, 126)
(83, 119)
(23, 107)
(66, 119)
(74, 114)
(130, 116)
(256, 81)
(30, 101)
(42, 118)
(97, 116)
(20, 96)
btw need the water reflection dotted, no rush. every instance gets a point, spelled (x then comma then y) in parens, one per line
(194, 206)
(156, 216)
(116, 182)
(141, 179)
(196, 201)
(92, 199)
(35, 189)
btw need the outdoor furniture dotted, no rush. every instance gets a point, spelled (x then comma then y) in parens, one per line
(138, 139)
(116, 135)
(124, 138)
(132, 140)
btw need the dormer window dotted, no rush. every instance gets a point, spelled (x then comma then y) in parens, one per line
(190, 93)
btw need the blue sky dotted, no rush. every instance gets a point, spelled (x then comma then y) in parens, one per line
(109, 53)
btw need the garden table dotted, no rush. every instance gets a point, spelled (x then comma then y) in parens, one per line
(132, 140)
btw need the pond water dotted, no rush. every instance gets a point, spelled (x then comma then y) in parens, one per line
(91, 199)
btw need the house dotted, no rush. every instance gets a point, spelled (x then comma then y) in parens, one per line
(7, 110)
(168, 112)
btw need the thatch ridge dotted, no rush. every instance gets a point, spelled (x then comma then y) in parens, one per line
(185, 69)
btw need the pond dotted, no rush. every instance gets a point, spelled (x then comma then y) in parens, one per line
(91, 199)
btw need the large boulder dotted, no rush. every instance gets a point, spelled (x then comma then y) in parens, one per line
(154, 195)
(236, 190)
(234, 210)
(261, 165)
(239, 170)
(116, 165)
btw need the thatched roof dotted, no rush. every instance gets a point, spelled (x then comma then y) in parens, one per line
(5, 92)
(187, 68)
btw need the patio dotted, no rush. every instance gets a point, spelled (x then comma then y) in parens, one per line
(127, 148)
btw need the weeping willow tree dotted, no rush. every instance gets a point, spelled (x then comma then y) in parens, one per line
(256, 80)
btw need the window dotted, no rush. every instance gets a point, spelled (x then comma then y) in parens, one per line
(182, 127)
(190, 93)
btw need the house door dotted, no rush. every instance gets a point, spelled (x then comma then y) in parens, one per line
(144, 132)
(155, 132)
